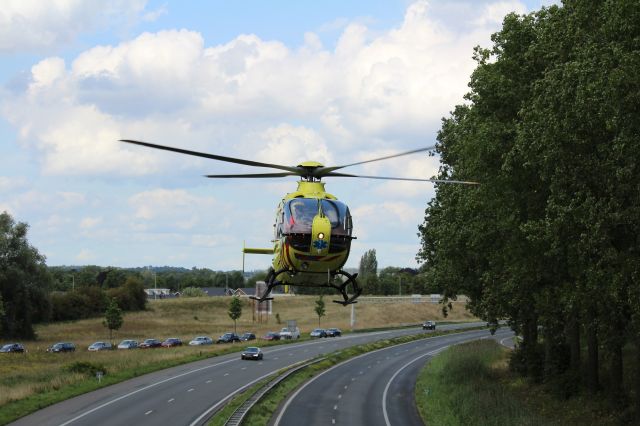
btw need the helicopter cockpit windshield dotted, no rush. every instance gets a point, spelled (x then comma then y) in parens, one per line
(299, 214)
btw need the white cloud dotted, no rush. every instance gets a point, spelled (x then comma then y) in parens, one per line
(494, 13)
(37, 25)
(85, 256)
(90, 222)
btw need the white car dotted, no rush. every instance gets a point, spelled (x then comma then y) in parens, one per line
(201, 340)
(290, 333)
(100, 346)
(128, 344)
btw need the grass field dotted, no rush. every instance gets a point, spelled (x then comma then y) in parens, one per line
(37, 372)
(470, 384)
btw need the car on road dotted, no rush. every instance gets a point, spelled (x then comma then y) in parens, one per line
(318, 332)
(228, 338)
(12, 347)
(150, 343)
(334, 332)
(271, 336)
(171, 342)
(201, 340)
(128, 344)
(429, 325)
(62, 347)
(100, 346)
(251, 352)
(290, 333)
(248, 336)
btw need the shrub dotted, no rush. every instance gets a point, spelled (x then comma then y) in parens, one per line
(83, 367)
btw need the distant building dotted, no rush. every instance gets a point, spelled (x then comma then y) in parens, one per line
(158, 293)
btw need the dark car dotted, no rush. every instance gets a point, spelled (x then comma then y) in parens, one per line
(251, 353)
(150, 343)
(429, 325)
(228, 338)
(248, 336)
(100, 346)
(171, 342)
(12, 347)
(319, 332)
(62, 347)
(271, 336)
(334, 332)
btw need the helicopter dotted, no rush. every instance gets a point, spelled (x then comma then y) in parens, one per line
(313, 229)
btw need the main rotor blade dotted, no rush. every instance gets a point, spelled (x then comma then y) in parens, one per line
(214, 157)
(323, 171)
(254, 175)
(404, 179)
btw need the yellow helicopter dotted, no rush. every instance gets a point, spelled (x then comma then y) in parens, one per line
(313, 229)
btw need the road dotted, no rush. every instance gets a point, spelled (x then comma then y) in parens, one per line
(376, 388)
(187, 394)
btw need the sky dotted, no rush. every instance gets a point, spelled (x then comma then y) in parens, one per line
(279, 82)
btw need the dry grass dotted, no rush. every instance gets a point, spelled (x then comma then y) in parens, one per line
(36, 371)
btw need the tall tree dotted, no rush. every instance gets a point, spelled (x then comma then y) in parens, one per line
(24, 281)
(235, 310)
(113, 319)
(320, 308)
(368, 271)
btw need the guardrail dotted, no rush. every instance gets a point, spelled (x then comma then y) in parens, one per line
(239, 414)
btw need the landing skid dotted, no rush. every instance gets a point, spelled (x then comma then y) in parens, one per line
(271, 282)
(342, 288)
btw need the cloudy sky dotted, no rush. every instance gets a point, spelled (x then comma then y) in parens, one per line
(280, 81)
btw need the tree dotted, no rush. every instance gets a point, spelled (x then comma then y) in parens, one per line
(113, 319)
(235, 310)
(320, 308)
(24, 281)
(368, 271)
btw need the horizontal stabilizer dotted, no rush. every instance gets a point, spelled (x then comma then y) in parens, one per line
(257, 250)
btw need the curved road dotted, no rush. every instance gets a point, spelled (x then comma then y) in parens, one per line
(188, 394)
(376, 388)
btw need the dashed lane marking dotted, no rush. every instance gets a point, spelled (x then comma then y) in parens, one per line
(171, 400)
(148, 412)
(191, 390)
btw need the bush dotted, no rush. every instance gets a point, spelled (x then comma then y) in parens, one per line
(83, 367)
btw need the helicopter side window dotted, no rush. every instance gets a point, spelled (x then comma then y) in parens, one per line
(338, 214)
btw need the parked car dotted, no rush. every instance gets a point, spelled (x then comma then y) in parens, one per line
(228, 338)
(201, 340)
(334, 332)
(290, 333)
(248, 336)
(171, 342)
(252, 352)
(12, 347)
(128, 344)
(271, 336)
(429, 325)
(318, 332)
(100, 346)
(62, 347)
(150, 343)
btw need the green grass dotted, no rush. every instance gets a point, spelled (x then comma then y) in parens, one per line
(470, 384)
(462, 386)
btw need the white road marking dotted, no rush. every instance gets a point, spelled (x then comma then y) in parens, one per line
(386, 389)
(120, 398)
(502, 341)
(171, 400)
(335, 407)
(346, 386)
(275, 357)
(191, 390)
(340, 396)
(208, 381)
(243, 368)
(148, 412)
(226, 374)
(333, 421)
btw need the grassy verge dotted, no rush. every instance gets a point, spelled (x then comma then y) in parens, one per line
(264, 410)
(470, 384)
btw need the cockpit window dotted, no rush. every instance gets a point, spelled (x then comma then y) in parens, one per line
(299, 214)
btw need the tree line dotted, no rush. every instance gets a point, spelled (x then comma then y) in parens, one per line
(549, 239)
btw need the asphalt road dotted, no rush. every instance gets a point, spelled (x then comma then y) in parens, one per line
(187, 394)
(376, 388)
